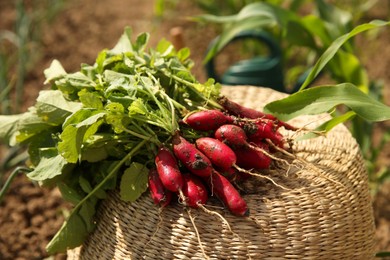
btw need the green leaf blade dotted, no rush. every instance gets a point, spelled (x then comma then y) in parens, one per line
(328, 125)
(321, 99)
(52, 106)
(50, 166)
(124, 44)
(9, 125)
(134, 182)
(74, 134)
(72, 233)
(336, 45)
(54, 71)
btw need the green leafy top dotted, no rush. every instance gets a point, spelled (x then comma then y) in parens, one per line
(107, 118)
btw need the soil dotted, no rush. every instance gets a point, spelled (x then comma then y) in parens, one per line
(30, 215)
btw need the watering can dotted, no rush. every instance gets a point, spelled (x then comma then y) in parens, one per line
(265, 71)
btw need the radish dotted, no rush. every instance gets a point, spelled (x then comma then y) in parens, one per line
(168, 170)
(221, 155)
(263, 129)
(241, 111)
(250, 158)
(228, 194)
(159, 194)
(193, 159)
(194, 191)
(248, 155)
(232, 173)
(246, 112)
(207, 120)
(232, 135)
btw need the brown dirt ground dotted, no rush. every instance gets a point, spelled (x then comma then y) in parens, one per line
(30, 215)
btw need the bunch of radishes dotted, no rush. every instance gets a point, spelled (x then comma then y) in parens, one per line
(238, 142)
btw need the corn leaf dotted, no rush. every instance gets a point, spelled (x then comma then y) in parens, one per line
(321, 99)
(252, 17)
(328, 125)
(336, 45)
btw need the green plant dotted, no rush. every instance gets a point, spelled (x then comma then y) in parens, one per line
(308, 37)
(19, 50)
(309, 34)
(99, 128)
(107, 118)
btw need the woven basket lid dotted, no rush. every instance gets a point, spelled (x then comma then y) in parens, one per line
(323, 211)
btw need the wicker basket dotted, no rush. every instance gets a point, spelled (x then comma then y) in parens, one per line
(324, 210)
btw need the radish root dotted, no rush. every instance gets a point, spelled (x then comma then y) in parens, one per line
(224, 221)
(262, 176)
(197, 234)
(305, 163)
(160, 210)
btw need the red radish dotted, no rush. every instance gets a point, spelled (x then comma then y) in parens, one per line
(232, 174)
(263, 129)
(248, 155)
(168, 198)
(221, 155)
(242, 111)
(235, 137)
(228, 194)
(159, 194)
(193, 159)
(207, 120)
(168, 170)
(246, 112)
(250, 158)
(232, 135)
(194, 191)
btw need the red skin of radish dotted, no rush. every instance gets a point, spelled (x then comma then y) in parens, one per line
(207, 120)
(221, 155)
(232, 135)
(194, 191)
(159, 194)
(232, 174)
(168, 170)
(246, 112)
(228, 194)
(168, 198)
(241, 111)
(263, 129)
(193, 159)
(249, 158)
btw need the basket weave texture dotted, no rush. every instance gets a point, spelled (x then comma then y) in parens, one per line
(324, 210)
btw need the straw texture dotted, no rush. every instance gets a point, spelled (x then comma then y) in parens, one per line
(323, 210)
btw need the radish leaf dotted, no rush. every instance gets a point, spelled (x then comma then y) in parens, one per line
(50, 166)
(134, 182)
(74, 135)
(9, 125)
(72, 233)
